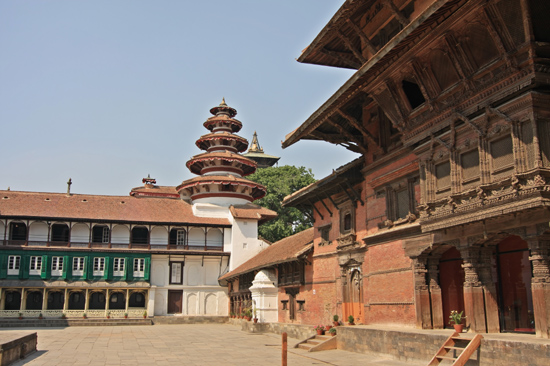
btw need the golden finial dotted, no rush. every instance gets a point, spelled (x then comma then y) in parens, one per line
(223, 102)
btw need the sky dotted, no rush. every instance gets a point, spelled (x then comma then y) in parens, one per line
(107, 92)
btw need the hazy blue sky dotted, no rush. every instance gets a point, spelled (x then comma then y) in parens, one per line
(106, 92)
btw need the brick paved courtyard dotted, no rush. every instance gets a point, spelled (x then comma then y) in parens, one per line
(187, 345)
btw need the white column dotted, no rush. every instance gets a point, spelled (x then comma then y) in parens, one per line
(264, 296)
(151, 301)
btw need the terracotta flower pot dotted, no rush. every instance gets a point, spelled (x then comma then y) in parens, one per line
(255, 320)
(319, 332)
(458, 327)
(327, 327)
(335, 324)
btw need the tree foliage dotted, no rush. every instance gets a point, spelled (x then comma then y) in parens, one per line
(280, 182)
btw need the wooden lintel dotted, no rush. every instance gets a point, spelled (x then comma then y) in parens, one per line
(372, 49)
(350, 46)
(332, 201)
(316, 210)
(396, 12)
(348, 135)
(355, 123)
(465, 119)
(335, 139)
(321, 200)
(339, 56)
(357, 197)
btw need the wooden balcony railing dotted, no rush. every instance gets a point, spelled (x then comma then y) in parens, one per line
(136, 246)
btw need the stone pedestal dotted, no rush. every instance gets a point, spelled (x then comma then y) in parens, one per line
(264, 296)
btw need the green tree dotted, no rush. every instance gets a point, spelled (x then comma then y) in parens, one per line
(280, 182)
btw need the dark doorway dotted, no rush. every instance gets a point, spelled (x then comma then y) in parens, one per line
(137, 300)
(117, 301)
(18, 231)
(60, 233)
(77, 300)
(175, 302)
(140, 235)
(97, 301)
(13, 300)
(34, 300)
(56, 300)
(100, 234)
(451, 281)
(514, 284)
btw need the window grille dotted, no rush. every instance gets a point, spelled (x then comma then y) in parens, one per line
(470, 164)
(502, 153)
(35, 265)
(57, 266)
(402, 203)
(78, 266)
(443, 175)
(99, 266)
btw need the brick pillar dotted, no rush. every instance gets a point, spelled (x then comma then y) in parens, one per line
(435, 293)
(421, 293)
(489, 289)
(474, 307)
(540, 285)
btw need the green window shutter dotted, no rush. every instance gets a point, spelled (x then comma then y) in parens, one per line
(108, 274)
(24, 267)
(67, 268)
(3, 266)
(128, 268)
(147, 269)
(46, 271)
(85, 274)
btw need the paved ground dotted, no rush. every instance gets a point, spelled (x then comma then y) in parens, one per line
(189, 345)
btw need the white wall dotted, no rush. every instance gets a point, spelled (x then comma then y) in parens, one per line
(80, 233)
(245, 243)
(38, 231)
(201, 292)
(159, 235)
(120, 234)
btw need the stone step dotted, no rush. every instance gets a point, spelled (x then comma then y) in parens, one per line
(305, 346)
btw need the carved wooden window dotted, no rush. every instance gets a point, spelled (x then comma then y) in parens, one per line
(469, 162)
(400, 200)
(291, 273)
(527, 140)
(543, 132)
(443, 69)
(347, 220)
(413, 93)
(509, 10)
(502, 154)
(245, 280)
(443, 176)
(479, 45)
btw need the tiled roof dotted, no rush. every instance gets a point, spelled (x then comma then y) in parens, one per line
(155, 191)
(284, 250)
(252, 211)
(94, 207)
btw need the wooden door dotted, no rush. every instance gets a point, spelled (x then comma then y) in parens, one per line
(175, 302)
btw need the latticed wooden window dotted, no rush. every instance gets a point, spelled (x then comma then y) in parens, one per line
(402, 201)
(470, 164)
(502, 153)
(527, 139)
(543, 132)
(443, 175)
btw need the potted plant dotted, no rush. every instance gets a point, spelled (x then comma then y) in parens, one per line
(108, 315)
(255, 316)
(320, 329)
(332, 331)
(40, 316)
(145, 314)
(125, 315)
(456, 320)
(335, 320)
(20, 315)
(83, 315)
(63, 316)
(351, 320)
(328, 327)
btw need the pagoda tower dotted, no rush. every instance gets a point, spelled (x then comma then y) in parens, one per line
(256, 153)
(221, 168)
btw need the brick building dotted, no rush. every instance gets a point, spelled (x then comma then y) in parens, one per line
(447, 206)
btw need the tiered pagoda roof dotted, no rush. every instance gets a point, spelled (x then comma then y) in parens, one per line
(221, 168)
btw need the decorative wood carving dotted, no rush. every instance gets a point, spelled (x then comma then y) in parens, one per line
(372, 49)
(351, 47)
